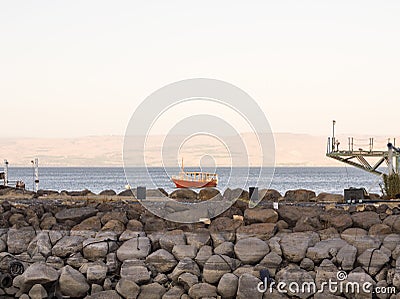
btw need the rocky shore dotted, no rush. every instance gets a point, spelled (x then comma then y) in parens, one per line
(82, 245)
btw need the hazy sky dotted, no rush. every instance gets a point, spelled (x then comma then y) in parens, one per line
(76, 68)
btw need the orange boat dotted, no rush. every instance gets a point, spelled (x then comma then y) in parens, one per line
(193, 179)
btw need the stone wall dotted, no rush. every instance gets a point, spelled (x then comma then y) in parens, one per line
(80, 248)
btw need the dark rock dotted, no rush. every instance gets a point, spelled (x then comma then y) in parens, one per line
(68, 245)
(72, 283)
(203, 290)
(263, 231)
(209, 193)
(184, 194)
(291, 214)
(300, 195)
(247, 287)
(162, 260)
(262, 215)
(84, 192)
(127, 193)
(269, 195)
(108, 193)
(76, 214)
(251, 250)
(365, 219)
(329, 197)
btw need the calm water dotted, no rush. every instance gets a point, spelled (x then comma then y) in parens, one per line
(319, 179)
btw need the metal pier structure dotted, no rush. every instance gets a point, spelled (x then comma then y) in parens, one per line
(361, 157)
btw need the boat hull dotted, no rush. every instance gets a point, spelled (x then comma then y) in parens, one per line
(194, 184)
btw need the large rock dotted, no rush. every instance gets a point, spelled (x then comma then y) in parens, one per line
(294, 246)
(40, 244)
(227, 286)
(293, 273)
(87, 228)
(223, 229)
(96, 272)
(391, 241)
(358, 238)
(131, 270)
(300, 195)
(305, 224)
(162, 261)
(174, 293)
(393, 221)
(37, 292)
(215, 267)
(136, 248)
(127, 288)
(172, 238)
(75, 214)
(330, 197)
(18, 239)
(187, 280)
(198, 237)
(209, 193)
(327, 271)
(263, 231)
(68, 245)
(325, 249)
(272, 262)
(182, 251)
(94, 249)
(72, 283)
(373, 260)
(203, 255)
(108, 193)
(37, 273)
(251, 250)
(183, 194)
(151, 291)
(291, 214)
(203, 290)
(262, 215)
(338, 219)
(226, 248)
(247, 287)
(365, 219)
(185, 265)
(110, 294)
(269, 195)
(346, 257)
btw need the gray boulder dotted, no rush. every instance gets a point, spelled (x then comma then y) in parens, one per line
(247, 287)
(18, 239)
(68, 245)
(72, 283)
(294, 245)
(185, 265)
(136, 248)
(76, 214)
(134, 272)
(203, 290)
(227, 286)
(127, 288)
(151, 291)
(216, 266)
(251, 250)
(162, 261)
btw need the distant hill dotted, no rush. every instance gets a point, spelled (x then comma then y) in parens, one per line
(290, 150)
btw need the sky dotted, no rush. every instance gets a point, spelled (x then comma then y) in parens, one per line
(79, 68)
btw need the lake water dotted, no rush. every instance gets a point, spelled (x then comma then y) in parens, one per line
(96, 179)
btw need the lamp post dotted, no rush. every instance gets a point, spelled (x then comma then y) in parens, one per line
(333, 134)
(33, 175)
